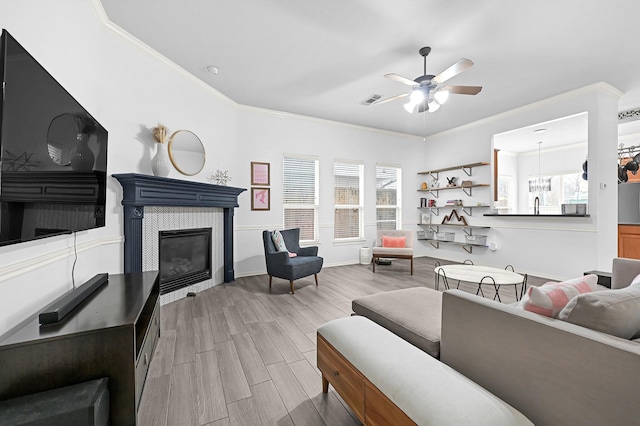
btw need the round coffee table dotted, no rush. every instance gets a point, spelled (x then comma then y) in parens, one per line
(481, 275)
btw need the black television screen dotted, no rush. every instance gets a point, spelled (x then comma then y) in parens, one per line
(53, 159)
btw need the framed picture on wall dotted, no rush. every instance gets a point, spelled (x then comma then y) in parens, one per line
(260, 198)
(260, 173)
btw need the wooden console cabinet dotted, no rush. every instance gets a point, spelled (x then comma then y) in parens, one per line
(629, 241)
(113, 333)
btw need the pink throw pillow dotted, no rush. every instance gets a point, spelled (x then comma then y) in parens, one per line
(550, 298)
(394, 242)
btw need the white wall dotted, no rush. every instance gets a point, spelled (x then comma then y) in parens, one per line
(264, 136)
(548, 247)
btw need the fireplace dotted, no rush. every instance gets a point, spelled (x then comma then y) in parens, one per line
(184, 258)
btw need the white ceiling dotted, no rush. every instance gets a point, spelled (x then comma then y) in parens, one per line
(551, 134)
(321, 58)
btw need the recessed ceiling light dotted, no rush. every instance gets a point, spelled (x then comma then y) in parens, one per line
(213, 69)
(539, 130)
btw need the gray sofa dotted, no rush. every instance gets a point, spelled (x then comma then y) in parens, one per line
(552, 371)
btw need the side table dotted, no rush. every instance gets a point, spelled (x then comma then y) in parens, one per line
(604, 278)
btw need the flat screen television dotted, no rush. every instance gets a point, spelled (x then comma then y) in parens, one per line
(53, 158)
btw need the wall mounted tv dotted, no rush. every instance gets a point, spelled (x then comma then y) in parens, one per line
(53, 159)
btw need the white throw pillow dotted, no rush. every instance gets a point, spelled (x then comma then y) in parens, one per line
(278, 241)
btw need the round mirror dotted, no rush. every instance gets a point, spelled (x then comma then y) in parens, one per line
(61, 138)
(186, 152)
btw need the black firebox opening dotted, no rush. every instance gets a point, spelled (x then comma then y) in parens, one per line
(185, 258)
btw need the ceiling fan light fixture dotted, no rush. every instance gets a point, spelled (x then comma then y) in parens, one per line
(433, 106)
(410, 107)
(417, 96)
(441, 96)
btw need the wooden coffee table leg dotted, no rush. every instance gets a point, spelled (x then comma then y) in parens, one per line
(325, 384)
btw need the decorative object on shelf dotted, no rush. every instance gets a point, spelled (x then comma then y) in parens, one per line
(454, 213)
(160, 163)
(186, 152)
(260, 173)
(425, 219)
(220, 177)
(466, 183)
(425, 186)
(423, 202)
(451, 182)
(431, 202)
(260, 199)
(480, 240)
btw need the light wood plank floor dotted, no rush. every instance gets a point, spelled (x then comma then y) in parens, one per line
(239, 354)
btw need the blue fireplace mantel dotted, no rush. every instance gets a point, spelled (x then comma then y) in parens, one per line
(143, 190)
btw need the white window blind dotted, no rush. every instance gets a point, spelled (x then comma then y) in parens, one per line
(300, 195)
(348, 200)
(388, 202)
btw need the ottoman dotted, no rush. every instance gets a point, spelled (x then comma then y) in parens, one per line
(414, 314)
(387, 381)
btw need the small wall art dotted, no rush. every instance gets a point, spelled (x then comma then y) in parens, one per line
(260, 199)
(260, 173)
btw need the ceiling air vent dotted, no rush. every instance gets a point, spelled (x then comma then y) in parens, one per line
(371, 99)
(629, 115)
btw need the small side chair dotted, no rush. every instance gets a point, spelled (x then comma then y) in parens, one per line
(403, 252)
(281, 265)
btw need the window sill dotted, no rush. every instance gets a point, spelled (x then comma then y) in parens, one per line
(349, 242)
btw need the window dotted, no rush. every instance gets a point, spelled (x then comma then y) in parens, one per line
(505, 201)
(348, 196)
(300, 195)
(555, 190)
(388, 200)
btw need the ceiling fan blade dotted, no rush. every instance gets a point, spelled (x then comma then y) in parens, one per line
(453, 70)
(393, 98)
(400, 79)
(463, 90)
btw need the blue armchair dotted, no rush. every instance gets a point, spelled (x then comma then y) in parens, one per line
(279, 264)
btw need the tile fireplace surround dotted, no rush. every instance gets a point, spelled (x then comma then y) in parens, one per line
(140, 191)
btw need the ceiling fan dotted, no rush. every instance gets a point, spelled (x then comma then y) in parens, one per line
(426, 93)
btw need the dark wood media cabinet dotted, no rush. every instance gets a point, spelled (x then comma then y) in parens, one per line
(112, 333)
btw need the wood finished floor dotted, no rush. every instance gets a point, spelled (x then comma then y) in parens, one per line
(239, 354)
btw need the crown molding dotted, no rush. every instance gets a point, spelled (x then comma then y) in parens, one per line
(102, 16)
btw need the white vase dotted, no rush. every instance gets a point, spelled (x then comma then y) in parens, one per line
(160, 164)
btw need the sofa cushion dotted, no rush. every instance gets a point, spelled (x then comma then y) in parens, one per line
(428, 391)
(394, 242)
(391, 251)
(550, 298)
(414, 314)
(615, 312)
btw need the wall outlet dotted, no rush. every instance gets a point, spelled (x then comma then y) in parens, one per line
(603, 185)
